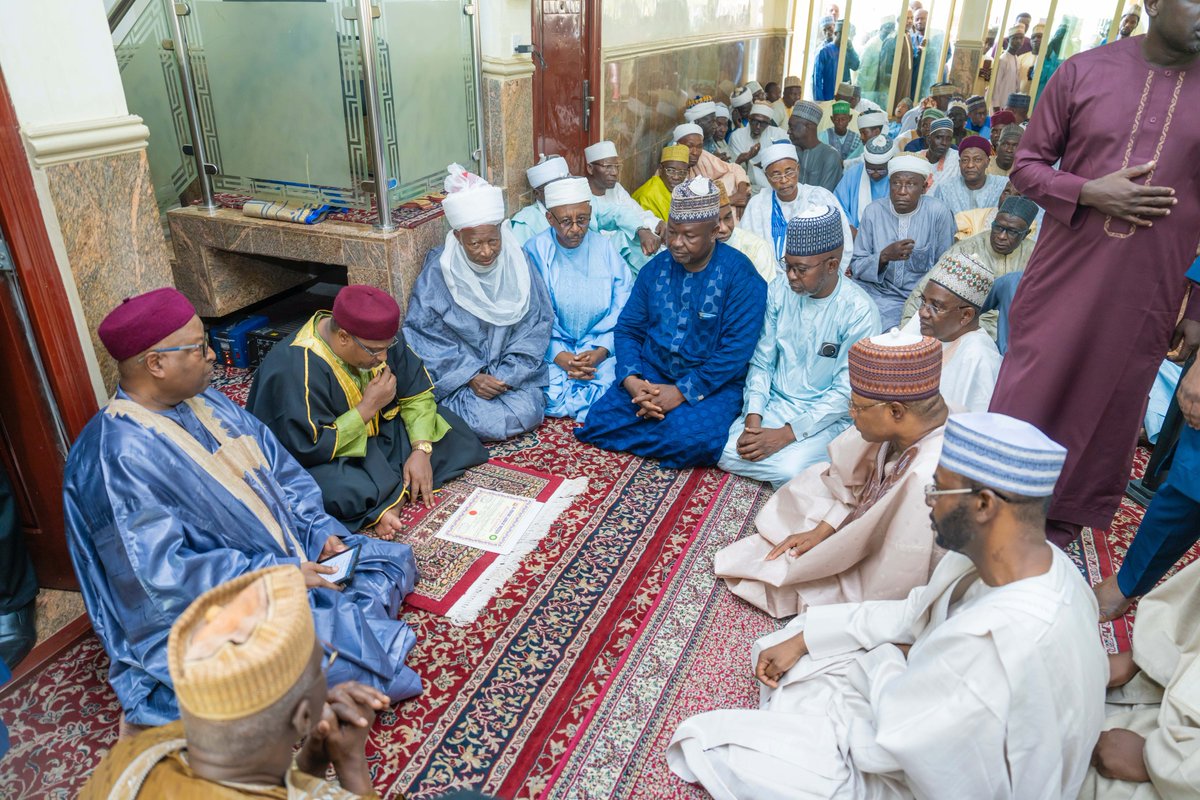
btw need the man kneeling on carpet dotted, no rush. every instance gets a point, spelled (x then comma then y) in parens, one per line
(354, 404)
(172, 489)
(250, 674)
(856, 527)
(987, 682)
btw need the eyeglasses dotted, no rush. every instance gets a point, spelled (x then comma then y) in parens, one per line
(1013, 232)
(932, 493)
(371, 351)
(934, 308)
(798, 269)
(615, 165)
(675, 173)
(579, 222)
(856, 410)
(201, 346)
(786, 175)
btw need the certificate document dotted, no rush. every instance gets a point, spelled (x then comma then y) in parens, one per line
(489, 520)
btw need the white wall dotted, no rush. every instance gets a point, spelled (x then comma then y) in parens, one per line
(499, 20)
(634, 22)
(61, 72)
(58, 61)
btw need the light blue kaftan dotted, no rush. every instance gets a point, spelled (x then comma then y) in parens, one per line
(696, 331)
(456, 346)
(931, 226)
(955, 194)
(612, 216)
(849, 191)
(150, 530)
(588, 287)
(791, 382)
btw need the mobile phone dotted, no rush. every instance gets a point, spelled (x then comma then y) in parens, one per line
(344, 562)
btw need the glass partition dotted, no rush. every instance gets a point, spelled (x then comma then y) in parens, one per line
(930, 28)
(280, 94)
(830, 49)
(152, 91)
(428, 88)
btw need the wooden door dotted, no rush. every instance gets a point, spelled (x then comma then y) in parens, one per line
(45, 401)
(566, 34)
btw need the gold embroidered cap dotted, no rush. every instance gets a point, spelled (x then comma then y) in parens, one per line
(241, 646)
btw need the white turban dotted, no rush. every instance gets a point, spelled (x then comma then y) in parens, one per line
(687, 129)
(723, 111)
(909, 163)
(547, 170)
(742, 98)
(600, 151)
(700, 110)
(470, 200)
(567, 191)
(872, 119)
(763, 110)
(777, 152)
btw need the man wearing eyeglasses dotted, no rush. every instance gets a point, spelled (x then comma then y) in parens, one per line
(172, 489)
(798, 385)
(251, 674)
(354, 404)
(1004, 249)
(949, 312)
(986, 682)
(655, 194)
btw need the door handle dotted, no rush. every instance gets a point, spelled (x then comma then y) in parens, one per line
(588, 99)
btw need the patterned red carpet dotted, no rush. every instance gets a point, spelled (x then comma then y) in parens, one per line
(623, 578)
(503, 695)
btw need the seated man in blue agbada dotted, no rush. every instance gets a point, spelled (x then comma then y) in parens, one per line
(172, 489)
(683, 342)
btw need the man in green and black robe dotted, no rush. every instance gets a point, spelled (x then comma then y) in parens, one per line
(355, 406)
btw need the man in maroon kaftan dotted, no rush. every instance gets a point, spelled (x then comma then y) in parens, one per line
(1098, 305)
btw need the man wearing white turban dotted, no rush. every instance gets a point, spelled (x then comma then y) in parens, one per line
(480, 317)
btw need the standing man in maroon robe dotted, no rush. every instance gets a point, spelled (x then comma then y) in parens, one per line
(1097, 308)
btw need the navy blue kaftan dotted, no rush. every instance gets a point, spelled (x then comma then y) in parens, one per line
(696, 330)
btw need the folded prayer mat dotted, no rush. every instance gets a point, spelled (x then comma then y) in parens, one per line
(287, 211)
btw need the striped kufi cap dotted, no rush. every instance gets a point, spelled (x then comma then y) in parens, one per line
(808, 110)
(242, 645)
(964, 275)
(941, 124)
(896, 367)
(976, 101)
(1002, 453)
(695, 200)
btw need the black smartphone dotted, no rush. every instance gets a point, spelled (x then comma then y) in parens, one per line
(344, 562)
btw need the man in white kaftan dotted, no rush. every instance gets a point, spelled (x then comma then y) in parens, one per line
(1150, 748)
(752, 246)
(798, 388)
(768, 212)
(986, 683)
(611, 201)
(747, 144)
(949, 312)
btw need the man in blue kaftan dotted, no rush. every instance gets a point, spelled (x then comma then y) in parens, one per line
(865, 180)
(626, 220)
(588, 282)
(797, 397)
(479, 317)
(683, 342)
(172, 489)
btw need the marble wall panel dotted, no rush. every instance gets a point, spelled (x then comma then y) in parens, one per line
(964, 65)
(508, 131)
(112, 233)
(644, 95)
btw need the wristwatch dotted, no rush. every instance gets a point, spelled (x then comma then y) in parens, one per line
(424, 447)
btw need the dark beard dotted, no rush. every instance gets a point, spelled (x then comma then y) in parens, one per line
(955, 531)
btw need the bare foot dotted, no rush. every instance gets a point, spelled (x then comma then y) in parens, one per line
(1113, 604)
(1121, 669)
(389, 524)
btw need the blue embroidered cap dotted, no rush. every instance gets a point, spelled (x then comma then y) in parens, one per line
(817, 230)
(1002, 453)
